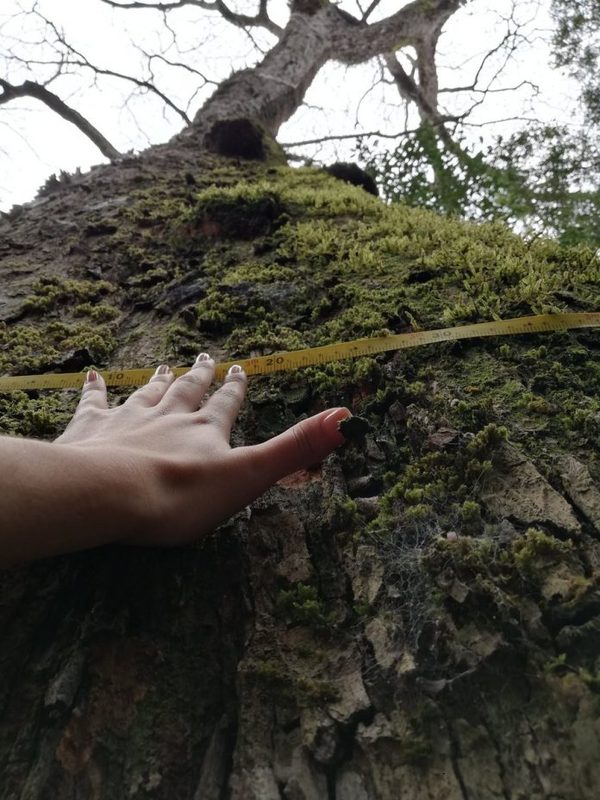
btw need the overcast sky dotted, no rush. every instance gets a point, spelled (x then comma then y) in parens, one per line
(35, 142)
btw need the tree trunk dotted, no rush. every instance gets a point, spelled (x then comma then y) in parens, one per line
(418, 618)
(268, 94)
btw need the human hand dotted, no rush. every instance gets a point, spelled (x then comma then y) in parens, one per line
(176, 444)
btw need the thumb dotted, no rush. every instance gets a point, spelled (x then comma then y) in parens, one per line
(303, 445)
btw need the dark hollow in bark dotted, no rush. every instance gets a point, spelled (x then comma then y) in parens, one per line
(236, 138)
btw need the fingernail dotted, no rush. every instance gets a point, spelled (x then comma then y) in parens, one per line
(91, 376)
(339, 414)
(201, 359)
(235, 369)
(162, 370)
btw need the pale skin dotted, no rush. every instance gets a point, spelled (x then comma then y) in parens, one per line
(156, 470)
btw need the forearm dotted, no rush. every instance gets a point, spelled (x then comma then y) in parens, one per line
(58, 498)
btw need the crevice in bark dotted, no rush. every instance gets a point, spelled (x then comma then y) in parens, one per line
(379, 687)
(533, 770)
(587, 523)
(346, 740)
(455, 756)
(498, 758)
(330, 777)
(556, 530)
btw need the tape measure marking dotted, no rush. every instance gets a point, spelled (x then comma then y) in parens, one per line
(295, 359)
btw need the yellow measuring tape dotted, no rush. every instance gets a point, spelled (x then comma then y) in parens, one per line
(294, 359)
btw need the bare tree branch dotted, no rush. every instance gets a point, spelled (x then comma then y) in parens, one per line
(260, 19)
(39, 92)
(367, 13)
(342, 136)
(82, 61)
(410, 90)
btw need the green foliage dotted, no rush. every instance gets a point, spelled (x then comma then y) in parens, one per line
(301, 605)
(541, 180)
(558, 189)
(424, 172)
(576, 46)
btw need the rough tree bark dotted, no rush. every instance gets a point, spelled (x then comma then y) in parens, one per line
(419, 617)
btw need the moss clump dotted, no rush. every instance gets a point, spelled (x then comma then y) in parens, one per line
(221, 311)
(467, 557)
(487, 440)
(557, 665)
(218, 311)
(30, 349)
(301, 605)
(150, 277)
(101, 312)
(440, 485)
(257, 273)
(416, 750)
(535, 551)
(262, 338)
(240, 212)
(591, 679)
(287, 687)
(319, 693)
(51, 292)
(529, 555)
(414, 496)
(342, 512)
(493, 582)
(155, 207)
(43, 416)
(470, 516)
(268, 670)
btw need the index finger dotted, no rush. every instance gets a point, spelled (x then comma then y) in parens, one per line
(303, 445)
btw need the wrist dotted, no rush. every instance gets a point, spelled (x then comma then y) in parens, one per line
(59, 498)
(116, 491)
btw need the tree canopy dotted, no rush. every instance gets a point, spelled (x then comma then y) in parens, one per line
(421, 99)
